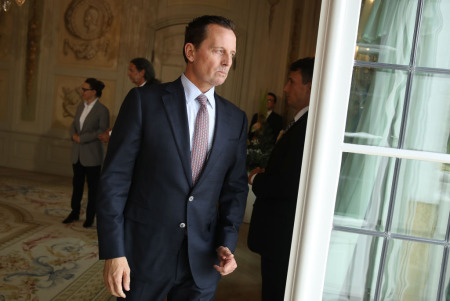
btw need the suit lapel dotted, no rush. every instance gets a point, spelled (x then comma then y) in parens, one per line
(175, 105)
(77, 116)
(90, 116)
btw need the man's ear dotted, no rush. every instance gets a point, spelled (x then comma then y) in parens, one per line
(189, 51)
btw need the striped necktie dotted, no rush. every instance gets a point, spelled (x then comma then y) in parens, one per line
(200, 143)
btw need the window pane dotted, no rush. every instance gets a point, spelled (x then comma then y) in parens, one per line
(364, 190)
(375, 107)
(412, 271)
(434, 38)
(385, 32)
(422, 202)
(428, 125)
(446, 290)
(352, 267)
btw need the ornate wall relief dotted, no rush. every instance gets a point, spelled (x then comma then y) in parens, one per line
(68, 97)
(91, 33)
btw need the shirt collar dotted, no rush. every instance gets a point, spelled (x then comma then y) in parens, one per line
(91, 104)
(301, 113)
(192, 92)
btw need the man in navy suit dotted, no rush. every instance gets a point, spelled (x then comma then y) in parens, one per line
(163, 230)
(273, 121)
(276, 187)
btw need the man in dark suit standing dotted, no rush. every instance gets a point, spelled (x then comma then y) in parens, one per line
(141, 72)
(174, 185)
(276, 188)
(273, 121)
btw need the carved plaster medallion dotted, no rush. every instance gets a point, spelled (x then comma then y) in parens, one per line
(88, 19)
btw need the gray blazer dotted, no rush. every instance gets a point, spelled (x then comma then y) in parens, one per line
(90, 150)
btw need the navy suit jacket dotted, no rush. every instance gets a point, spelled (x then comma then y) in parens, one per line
(146, 190)
(276, 189)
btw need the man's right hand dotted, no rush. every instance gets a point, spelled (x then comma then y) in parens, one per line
(252, 174)
(115, 273)
(104, 137)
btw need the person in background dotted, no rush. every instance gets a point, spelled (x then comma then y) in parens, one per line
(273, 121)
(91, 119)
(174, 184)
(141, 73)
(276, 188)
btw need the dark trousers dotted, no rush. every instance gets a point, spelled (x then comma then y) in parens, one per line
(180, 287)
(80, 175)
(274, 274)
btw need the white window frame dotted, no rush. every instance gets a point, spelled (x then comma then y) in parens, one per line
(330, 92)
(324, 147)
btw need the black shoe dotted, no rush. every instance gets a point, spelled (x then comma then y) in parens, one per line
(88, 223)
(71, 218)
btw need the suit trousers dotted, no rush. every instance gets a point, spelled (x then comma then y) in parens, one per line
(274, 274)
(180, 287)
(80, 175)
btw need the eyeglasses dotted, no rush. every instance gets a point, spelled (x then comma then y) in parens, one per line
(84, 89)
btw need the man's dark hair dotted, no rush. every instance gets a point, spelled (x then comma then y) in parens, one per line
(197, 30)
(143, 64)
(306, 68)
(274, 97)
(95, 85)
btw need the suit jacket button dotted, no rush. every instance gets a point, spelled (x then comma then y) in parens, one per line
(182, 225)
(191, 198)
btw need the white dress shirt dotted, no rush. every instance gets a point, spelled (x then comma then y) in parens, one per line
(86, 110)
(191, 92)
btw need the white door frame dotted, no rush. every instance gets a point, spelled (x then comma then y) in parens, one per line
(323, 148)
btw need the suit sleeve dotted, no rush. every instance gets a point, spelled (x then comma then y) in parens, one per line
(73, 129)
(116, 177)
(103, 124)
(233, 198)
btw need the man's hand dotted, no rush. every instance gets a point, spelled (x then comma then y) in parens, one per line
(253, 173)
(76, 138)
(115, 271)
(227, 262)
(104, 137)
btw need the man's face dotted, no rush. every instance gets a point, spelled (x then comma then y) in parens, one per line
(87, 94)
(270, 102)
(136, 77)
(297, 93)
(208, 65)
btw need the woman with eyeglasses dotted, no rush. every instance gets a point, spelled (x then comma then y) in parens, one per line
(91, 119)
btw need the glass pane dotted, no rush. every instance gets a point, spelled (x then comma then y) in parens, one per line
(385, 32)
(412, 271)
(375, 107)
(352, 267)
(434, 40)
(428, 125)
(364, 190)
(422, 202)
(446, 289)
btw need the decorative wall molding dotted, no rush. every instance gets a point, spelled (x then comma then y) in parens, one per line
(91, 34)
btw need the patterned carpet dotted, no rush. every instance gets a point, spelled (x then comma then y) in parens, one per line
(41, 258)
